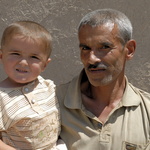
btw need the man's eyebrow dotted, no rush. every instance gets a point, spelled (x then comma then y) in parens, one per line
(82, 45)
(100, 44)
(106, 43)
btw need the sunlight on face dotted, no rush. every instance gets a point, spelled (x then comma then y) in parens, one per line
(100, 45)
(23, 61)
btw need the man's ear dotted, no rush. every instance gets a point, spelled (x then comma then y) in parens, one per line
(0, 55)
(130, 47)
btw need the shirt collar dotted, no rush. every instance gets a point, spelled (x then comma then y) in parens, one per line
(130, 96)
(73, 98)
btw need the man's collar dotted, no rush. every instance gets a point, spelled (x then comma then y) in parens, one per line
(73, 98)
(130, 96)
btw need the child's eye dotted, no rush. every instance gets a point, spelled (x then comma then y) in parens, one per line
(35, 57)
(15, 54)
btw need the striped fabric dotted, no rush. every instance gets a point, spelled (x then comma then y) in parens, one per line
(29, 116)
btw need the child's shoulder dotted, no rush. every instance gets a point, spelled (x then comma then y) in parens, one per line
(47, 82)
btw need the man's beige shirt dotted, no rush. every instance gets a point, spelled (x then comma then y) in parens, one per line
(127, 127)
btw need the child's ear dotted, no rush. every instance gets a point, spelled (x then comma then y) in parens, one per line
(46, 63)
(48, 60)
(131, 46)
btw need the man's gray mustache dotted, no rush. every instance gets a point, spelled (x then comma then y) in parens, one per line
(98, 65)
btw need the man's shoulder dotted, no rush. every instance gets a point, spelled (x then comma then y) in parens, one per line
(145, 96)
(62, 89)
(142, 92)
(140, 99)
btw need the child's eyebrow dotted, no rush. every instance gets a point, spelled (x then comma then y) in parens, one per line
(14, 50)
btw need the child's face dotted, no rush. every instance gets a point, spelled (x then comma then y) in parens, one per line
(23, 59)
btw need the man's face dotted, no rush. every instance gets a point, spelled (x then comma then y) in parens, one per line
(102, 54)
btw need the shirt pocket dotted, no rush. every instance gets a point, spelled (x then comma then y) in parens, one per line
(132, 146)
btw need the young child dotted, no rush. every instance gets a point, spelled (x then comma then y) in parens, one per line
(29, 110)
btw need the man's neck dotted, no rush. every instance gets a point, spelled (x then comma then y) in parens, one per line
(103, 99)
(109, 93)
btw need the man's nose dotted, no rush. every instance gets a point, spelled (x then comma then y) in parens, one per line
(94, 57)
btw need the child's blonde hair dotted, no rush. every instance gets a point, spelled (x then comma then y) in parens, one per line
(29, 29)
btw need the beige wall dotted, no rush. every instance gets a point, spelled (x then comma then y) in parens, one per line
(61, 18)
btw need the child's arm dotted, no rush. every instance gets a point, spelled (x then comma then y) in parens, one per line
(3, 146)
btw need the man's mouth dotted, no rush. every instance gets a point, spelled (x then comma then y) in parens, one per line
(97, 69)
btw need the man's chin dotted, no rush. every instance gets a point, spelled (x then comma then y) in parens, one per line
(100, 82)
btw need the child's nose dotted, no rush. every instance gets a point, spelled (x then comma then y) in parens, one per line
(24, 62)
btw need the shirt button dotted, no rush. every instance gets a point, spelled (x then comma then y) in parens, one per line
(100, 125)
(130, 147)
(26, 89)
(33, 101)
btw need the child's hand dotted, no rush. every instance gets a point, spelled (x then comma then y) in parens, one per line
(61, 145)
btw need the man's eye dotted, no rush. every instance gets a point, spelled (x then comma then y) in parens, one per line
(85, 48)
(105, 47)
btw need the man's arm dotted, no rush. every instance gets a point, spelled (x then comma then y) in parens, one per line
(3, 146)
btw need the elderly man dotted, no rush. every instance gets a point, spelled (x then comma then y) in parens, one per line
(100, 109)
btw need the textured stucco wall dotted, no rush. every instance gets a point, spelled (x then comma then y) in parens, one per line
(61, 18)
